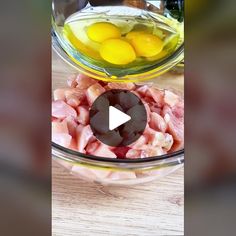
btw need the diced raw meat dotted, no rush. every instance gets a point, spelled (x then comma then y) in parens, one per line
(170, 98)
(71, 81)
(73, 145)
(177, 146)
(79, 93)
(175, 124)
(148, 111)
(59, 94)
(168, 142)
(157, 95)
(73, 101)
(133, 154)
(92, 146)
(84, 81)
(140, 142)
(157, 122)
(83, 115)
(71, 124)
(83, 135)
(59, 127)
(142, 90)
(155, 108)
(60, 134)
(61, 110)
(62, 139)
(127, 86)
(93, 92)
(121, 151)
(152, 152)
(104, 151)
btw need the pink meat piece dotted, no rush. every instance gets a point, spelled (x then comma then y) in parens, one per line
(170, 98)
(61, 110)
(83, 136)
(142, 90)
(71, 81)
(73, 100)
(168, 142)
(92, 147)
(127, 86)
(79, 93)
(155, 108)
(152, 152)
(177, 146)
(83, 115)
(60, 134)
(120, 152)
(73, 145)
(62, 139)
(133, 154)
(59, 127)
(157, 95)
(143, 140)
(71, 124)
(59, 94)
(175, 122)
(84, 81)
(157, 122)
(148, 111)
(104, 151)
(93, 92)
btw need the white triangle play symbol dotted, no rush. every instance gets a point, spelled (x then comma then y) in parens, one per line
(117, 118)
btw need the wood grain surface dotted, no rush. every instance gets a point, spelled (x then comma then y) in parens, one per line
(85, 209)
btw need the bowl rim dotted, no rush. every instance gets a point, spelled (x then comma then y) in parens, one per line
(88, 157)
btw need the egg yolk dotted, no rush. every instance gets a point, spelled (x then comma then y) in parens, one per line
(117, 51)
(131, 35)
(146, 45)
(102, 31)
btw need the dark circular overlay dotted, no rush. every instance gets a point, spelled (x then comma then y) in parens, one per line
(126, 133)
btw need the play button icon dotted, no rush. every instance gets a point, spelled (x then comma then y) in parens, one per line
(118, 118)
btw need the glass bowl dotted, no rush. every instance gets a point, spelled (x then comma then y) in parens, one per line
(107, 171)
(166, 15)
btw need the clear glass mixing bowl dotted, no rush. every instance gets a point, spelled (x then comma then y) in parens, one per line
(109, 171)
(167, 12)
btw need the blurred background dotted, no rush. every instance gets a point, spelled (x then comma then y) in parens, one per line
(25, 72)
(210, 114)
